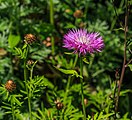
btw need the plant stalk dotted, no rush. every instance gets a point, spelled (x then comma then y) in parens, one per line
(81, 80)
(124, 60)
(12, 108)
(25, 79)
(52, 23)
(29, 104)
(67, 88)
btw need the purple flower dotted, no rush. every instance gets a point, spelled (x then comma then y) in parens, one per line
(83, 42)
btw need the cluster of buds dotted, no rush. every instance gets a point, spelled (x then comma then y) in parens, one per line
(10, 85)
(59, 105)
(47, 42)
(29, 38)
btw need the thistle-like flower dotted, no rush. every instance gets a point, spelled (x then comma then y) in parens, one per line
(83, 42)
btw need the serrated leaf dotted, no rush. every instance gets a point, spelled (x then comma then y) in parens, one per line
(13, 40)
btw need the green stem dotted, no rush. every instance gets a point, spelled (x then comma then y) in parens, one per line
(58, 115)
(12, 108)
(25, 68)
(25, 79)
(29, 104)
(75, 61)
(67, 88)
(69, 79)
(52, 23)
(30, 93)
(81, 80)
(25, 74)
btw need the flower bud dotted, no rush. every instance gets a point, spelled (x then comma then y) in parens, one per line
(30, 62)
(29, 38)
(85, 101)
(59, 105)
(10, 85)
(78, 14)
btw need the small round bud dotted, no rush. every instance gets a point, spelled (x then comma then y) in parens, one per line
(48, 44)
(29, 38)
(78, 14)
(59, 105)
(48, 39)
(30, 62)
(10, 85)
(85, 101)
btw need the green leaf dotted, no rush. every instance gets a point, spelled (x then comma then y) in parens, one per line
(2, 90)
(13, 40)
(17, 101)
(130, 66)
(24, 92)
(69, 72)
(123, 92)
(68, 53)
(9, 112)
(35, 115)
(24, 46)
(69, 25)
(105, 116)
(5, 107)
(85, 60)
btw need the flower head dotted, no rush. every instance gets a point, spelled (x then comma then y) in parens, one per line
(83, 42)
(10, 85)
(29, 38)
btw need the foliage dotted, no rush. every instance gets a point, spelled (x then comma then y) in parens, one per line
(54, 79)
